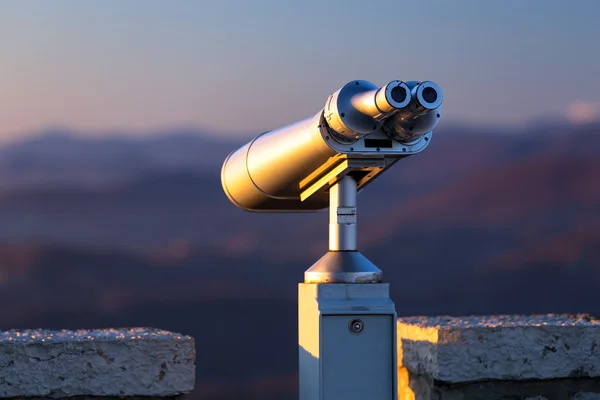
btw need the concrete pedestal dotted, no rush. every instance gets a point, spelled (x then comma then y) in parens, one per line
(91, 363)
(346, 342)
(499, 357)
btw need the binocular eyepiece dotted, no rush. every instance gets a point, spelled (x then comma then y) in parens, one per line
(362, 130)
(360, 108)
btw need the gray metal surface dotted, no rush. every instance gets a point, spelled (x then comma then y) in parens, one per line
(343, 263)
(347, 342)
(343, 267)
(342, 215)
(358, 366)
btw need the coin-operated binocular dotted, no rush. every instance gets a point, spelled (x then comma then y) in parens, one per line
(346, 319)
(361, 131)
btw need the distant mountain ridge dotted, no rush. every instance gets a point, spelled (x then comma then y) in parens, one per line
(59, 157)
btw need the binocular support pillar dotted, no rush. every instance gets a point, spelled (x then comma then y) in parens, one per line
(342, 215)
(346, 319)
(343, 263)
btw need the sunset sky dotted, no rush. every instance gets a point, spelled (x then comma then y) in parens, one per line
(240, 67)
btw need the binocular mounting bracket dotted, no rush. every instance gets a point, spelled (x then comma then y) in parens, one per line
(343, 177)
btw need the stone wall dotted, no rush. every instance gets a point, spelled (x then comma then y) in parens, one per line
(91, 363)
(499, 357)
(551, 357)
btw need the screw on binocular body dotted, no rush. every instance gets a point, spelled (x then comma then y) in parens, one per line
(356, 326)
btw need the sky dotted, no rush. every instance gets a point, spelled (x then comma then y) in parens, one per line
(246, 66)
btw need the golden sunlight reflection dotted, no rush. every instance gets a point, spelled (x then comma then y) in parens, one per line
(413, 334)
(404, 390)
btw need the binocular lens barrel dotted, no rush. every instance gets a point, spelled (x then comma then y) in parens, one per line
(356, 109)
(420, 117)
(277, 170)
(426, 96)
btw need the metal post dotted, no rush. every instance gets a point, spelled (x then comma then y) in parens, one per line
(343, 263)
(342, 215)
(346, 319)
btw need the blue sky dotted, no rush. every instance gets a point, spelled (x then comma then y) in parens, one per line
(240, 67)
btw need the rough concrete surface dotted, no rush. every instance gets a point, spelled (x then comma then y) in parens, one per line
(508, 357)
(106, 362)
